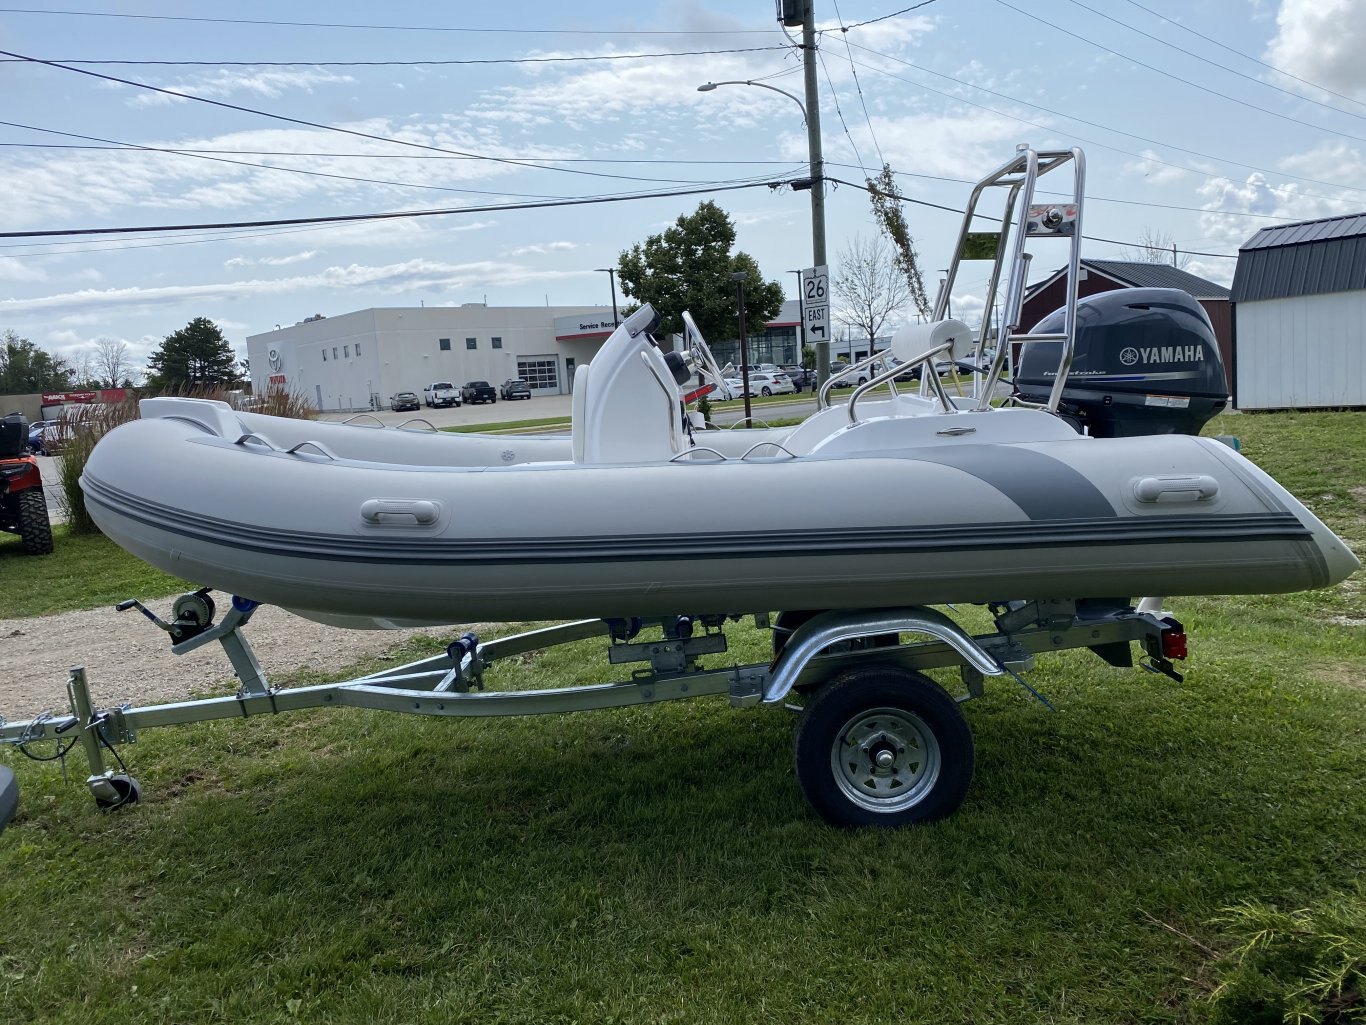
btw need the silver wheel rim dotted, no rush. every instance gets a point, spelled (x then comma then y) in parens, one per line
(885, 760)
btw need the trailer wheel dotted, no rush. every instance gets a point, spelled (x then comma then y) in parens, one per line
(127, 790)
(35, 530)
(883, 746)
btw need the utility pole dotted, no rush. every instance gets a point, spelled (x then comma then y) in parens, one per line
(813, 144)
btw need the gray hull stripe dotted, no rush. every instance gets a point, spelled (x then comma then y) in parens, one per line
(766, 544)
(1043, 487)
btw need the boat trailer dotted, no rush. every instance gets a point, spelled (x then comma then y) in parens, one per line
(878, 742)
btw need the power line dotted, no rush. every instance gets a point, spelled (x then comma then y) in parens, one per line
(1091, 238)
(894, 14)
(834, 95)
(395, 28)
(1178, 78)
(1089, 198)
(1094, 124)
(404, 63)
(882, 161)
(307, 124)
(134, 147)
(391, 215)
(1245, 56)
(1213, 64)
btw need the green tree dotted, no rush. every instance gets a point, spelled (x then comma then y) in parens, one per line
(25, 368)
(196, 356)
(688, 267)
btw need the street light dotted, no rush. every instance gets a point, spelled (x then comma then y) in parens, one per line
(760, 85)
(739, 277)
(611, 273)
(816, 164)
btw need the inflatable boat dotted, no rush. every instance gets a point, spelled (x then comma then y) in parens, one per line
(887, 499)
(634, 515)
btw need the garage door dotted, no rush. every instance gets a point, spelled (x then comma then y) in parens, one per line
(540, 372)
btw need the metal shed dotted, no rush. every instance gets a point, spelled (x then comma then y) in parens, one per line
(1299, 306)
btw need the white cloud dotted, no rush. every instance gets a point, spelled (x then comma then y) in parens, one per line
(1276, 202)
(542, 248)
(1322, 41)
(268, 84)
(270, 261)
(956, 145)
(409, 276)
(13, 268)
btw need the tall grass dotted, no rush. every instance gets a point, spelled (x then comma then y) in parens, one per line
(80, 432)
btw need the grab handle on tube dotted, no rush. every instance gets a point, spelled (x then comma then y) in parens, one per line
(388, 510)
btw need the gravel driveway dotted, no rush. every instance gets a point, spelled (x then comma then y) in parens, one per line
(128, 659)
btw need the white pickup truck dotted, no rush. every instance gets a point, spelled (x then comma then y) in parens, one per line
(440, 393)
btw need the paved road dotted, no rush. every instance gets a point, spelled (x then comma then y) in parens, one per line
(537, 408)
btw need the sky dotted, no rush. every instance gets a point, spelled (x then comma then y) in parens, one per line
(1202, 121)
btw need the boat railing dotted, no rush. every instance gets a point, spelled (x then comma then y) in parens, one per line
(768, 444)
(823, 396)
(1021, 220)
(251, 438)
(431, 427)
(352, 420)
(889, 376)
(300, 449)
(698, 450)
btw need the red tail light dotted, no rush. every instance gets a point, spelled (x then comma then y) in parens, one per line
(1173, 640)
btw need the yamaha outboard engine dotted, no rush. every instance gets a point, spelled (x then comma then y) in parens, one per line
(1145, 362)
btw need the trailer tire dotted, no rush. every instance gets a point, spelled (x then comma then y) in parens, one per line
(35, 530)
(883, 746)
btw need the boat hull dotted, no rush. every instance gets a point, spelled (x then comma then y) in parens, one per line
(362, 543)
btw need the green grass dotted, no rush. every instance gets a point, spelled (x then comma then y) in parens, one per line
(503, 427)
(83, 572)
(658, 864)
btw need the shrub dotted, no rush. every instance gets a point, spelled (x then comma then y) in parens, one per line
(1297, 967)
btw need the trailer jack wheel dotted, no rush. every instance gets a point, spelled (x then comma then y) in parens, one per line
(883, 746)
(126, 791)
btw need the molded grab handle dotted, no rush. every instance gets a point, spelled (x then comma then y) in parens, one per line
(1191, 487)
(385, 510)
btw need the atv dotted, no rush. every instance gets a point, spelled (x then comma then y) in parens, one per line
(23, 506)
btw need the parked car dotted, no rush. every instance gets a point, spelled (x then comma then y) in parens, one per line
(801, 377)
(762, 384)
(36, 436)
(440, 393)
(843, 377)
(515, 388)
(478, 391)
(404, 400)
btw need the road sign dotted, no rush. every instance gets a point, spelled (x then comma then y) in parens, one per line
(816, 303)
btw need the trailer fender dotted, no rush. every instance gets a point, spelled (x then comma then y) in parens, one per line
(819, 632)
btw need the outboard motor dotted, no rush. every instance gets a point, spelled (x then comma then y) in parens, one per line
(1145, 362)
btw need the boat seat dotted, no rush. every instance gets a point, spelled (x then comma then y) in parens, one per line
(626, 406)
(578, 412)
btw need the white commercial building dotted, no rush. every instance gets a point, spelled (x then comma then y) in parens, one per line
(356, 361)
